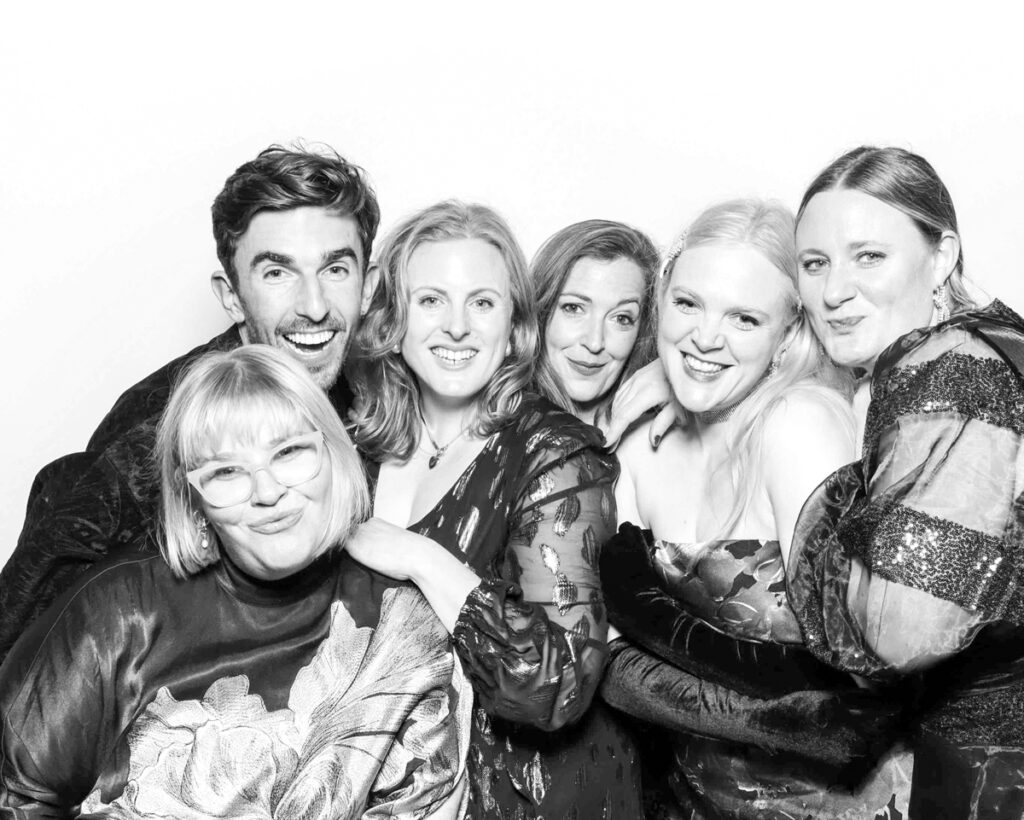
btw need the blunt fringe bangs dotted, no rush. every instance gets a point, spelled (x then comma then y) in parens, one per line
(387, 416)
(605, 241)
(241, 394)
(280, 179)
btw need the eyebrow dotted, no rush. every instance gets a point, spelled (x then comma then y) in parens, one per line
(271, 256)
(337, 255)
(340, 255)
(631, 300)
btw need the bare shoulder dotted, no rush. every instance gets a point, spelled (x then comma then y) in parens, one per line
(807, 415)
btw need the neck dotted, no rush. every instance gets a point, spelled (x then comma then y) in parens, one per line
(445, 422)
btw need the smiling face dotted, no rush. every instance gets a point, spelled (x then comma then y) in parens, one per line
(593, 328)
(460, 319)
(723, 316)
(279, 530)
(866, 274)
(300, 286)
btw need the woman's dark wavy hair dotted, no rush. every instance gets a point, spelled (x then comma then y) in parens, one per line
(281, 179)
(387, 415)
(592, 239)
(907, 182)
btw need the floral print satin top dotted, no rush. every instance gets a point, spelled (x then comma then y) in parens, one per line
(329, 694)
(529, 515)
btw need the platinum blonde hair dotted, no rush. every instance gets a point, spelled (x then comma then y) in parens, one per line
(768, 227)
(387, 416)
(238, 393)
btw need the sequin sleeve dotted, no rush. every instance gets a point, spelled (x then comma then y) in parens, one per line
(533, 639)
(898, 559)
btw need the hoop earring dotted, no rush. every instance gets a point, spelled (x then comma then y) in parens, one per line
(941, 301)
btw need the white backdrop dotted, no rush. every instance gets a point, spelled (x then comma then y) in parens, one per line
(119, 124)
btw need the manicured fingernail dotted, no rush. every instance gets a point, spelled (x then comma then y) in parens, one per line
(657, 440)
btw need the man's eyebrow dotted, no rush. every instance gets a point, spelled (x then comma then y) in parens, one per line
(271, 256)
(340, 255)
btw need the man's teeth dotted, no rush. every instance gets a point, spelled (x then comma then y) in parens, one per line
(452, 355)
(702, 366)
(321, 337)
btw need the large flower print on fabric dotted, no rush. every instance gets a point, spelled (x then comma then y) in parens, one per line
(369, 723)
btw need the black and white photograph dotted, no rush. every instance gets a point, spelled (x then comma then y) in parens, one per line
(536, 411)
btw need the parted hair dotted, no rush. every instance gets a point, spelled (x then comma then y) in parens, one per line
(907, 182)
(238, 393)
(768, 227)
(605, 241)
(386, 420)
(280, 179)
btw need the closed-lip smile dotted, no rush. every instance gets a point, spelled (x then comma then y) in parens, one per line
(844, 323)
(276, 523)
(584, 368)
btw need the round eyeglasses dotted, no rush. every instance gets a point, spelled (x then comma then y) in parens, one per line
(226, 483)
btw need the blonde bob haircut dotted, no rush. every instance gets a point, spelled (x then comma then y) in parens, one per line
(768, 227)
(387, 417)
(241, 393)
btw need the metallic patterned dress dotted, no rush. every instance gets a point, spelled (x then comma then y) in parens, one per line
(529, 515)
(332, 693)
(764, 731)
(910, 562)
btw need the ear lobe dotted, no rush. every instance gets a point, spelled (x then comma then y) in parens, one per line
(947, 252)
(226, 295)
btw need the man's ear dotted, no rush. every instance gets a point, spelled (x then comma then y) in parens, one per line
(369, 286)
(226, 295)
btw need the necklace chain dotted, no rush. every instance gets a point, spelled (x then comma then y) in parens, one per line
(439, 451)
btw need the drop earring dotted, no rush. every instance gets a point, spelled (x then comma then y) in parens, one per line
(941, 301)
(204, 532)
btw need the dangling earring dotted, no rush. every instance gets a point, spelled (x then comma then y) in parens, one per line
(773, 366)
(941, 302)
(204, 532)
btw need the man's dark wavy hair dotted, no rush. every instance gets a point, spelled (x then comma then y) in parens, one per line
(280, 179)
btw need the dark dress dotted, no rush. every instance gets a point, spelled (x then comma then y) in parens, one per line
(934, 514)
(529, 515)
(332, 693)
(771, 732)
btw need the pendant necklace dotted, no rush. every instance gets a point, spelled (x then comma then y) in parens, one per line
(438, 451)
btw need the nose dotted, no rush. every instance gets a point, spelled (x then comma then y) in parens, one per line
(312, 304)
(267, 490)
(593, 339)
(839, 286)
(707, 335)
(455, 324)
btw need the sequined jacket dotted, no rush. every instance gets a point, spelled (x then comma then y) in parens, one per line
(103, 500)
(910, 562)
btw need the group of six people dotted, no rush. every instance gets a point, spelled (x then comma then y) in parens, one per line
(368, 554)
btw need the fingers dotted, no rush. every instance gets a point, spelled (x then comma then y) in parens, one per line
(662, 424)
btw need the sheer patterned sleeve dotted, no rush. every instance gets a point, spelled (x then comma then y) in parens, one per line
(533, 640)
(900, 558)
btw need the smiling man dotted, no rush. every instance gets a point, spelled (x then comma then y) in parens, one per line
(294, 230)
